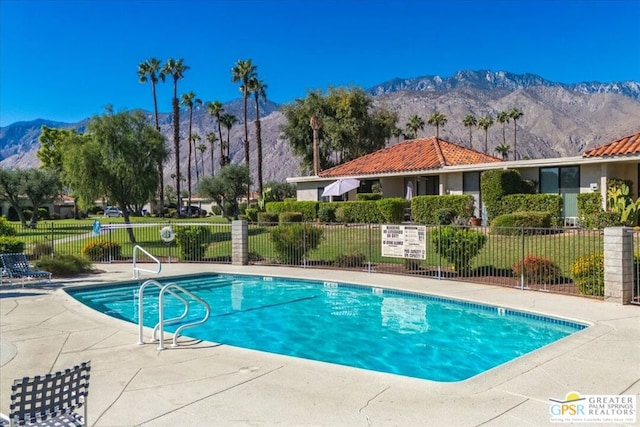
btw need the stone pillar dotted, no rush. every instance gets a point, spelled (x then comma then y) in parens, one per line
(618, 264)
(239, 243)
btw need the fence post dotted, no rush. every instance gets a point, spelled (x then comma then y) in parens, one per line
(522, 260)
(239, 242)
(618, 264)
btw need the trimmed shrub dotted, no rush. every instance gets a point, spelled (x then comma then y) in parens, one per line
(589, 208)
(285, 217)
(361, 197)
(537, 269)
(64, 265)
(43, 213)
(497, 183)
(10, 245)
(252, 214)
(423, 208)
(193, 242)
(309, 209)
(391, 209)
(458, 245)
(359, 212)
(551, 203)
(42, 249)
(355, 259)
(267, 218)
(444, 216)
(511, 224)
(293, 241)
(102, 250)
(327, 212)
(215, 210)
(588, 273)
(5, 228)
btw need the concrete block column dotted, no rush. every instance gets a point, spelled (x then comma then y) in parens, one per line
(239, 243)
(618, 264)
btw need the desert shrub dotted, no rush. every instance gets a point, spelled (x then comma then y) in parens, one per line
(290, 217)
(551, 203)
(102, 250)
(267, 218)
(252, 214)
(588, 273)
(444, 216)
(423, 208)
(368, 196)
(512, 224)
(355, 259)
(458, 245)
(5, 228)
(327, 212)
(391, 209)
(537, 269)
(10, 245)
(293, 241)
(64, 265)
(193, 242)
(42, 249)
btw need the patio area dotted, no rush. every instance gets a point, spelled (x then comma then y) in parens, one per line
(209, 384)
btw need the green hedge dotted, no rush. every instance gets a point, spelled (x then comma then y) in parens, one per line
(361, 197)
(551, 203)
(424, 208)
(590, 209)
(286, 217)
(359, 212)
(10, 245)
(392, 209)
(309, 209)
(512, 224)
(497, 183)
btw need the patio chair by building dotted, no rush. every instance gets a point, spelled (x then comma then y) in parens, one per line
(50, 399)
(16, 266)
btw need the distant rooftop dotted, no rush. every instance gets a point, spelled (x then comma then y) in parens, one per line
(620, 147)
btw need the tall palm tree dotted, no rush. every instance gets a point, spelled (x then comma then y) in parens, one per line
(216, 109)
(151, 71)
(259, 90)
(515, 115)
(194, 139)
(503, 117)
(242, 72)
(470, 122)
(415, 122)
(485, 123)
(189, 100)
(397, 132)
(228, 120)
(212, 138)
(176, 69)
(503, 149)
(437, 119)
(201, 148)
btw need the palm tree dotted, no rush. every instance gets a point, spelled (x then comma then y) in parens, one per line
(259, 90)
(485, 123)
(228, 120)
(503, 149)
(215, 108)
(397, 132)
(189, 100)
(212, 138)
(201, 148)
(515, 115)
(242, 72)
(437, 119)
(503, 117)
(415, 122)
(195, 138)
(176, 69)
(470, 122)
(151, 71)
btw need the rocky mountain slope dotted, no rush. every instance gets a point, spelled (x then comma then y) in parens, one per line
(559, 119)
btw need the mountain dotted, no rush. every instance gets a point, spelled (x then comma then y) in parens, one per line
(559, 119)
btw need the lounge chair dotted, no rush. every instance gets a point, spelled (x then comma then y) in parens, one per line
(17, 266)
(50, 399)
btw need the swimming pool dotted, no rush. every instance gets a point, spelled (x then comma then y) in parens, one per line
(377, 329)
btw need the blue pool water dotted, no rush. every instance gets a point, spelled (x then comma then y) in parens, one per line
(382, 330)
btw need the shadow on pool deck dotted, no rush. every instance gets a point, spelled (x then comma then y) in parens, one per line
(204, 383)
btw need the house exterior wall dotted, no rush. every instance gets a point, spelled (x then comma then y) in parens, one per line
(452, 183)
(308, 190)
(393, 186)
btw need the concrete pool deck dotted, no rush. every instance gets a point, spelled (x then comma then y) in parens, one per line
(205, 384)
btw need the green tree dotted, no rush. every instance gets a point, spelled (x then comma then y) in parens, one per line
(259, 90)
(11, 182)
(503, 117)
(414, 124)
(189, 100)
(470, 122)
(211, 138)
(216, 109)
(396, 132)
(437, 119)
(117, 160)
(504, 150)
(243, 72)
(231, 183)
(351, 126)
(201, 148)
(515, 115)
(40, 186)
(151, 71)
(485, 123)
(176, 69)
(227, 120)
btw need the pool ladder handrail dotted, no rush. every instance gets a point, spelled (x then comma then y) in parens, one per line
(169, 287)
(137, 270)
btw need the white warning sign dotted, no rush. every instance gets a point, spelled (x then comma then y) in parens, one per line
(404, 241)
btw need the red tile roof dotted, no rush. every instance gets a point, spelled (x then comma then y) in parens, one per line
(620, 147)
(409, 156)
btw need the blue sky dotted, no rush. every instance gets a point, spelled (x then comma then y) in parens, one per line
(65, 60)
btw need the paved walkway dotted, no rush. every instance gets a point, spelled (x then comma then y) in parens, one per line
(205, 384)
